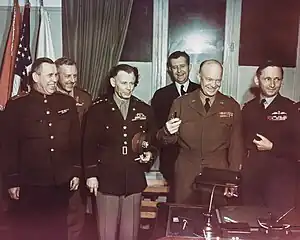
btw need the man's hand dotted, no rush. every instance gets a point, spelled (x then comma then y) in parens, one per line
(92, 184)
(264, 144)
(230, 192)
(14, 193)
(173, 125)
(145, 157)
(74, 184)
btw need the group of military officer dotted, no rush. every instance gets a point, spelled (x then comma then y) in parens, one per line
(49, 160)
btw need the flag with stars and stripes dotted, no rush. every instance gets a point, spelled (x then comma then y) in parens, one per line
(23, 57)
(9, 57)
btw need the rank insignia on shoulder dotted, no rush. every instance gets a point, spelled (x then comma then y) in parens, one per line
(99, 100)
(21, 94)
(139, 116)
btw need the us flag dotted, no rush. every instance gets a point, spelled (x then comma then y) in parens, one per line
(23, 57)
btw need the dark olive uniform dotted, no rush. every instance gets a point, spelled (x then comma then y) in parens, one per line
(108, 155)
(206, 139)
(83, 101)
(42, 155)
(269, 176)
(77, 204)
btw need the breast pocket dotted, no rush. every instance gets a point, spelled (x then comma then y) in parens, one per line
(225, 127)
(61, 123)
(140, 126)
(34, 128)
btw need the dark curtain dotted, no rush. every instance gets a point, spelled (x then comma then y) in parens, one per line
(94, 33)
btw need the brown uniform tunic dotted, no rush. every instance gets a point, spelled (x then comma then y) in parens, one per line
(212, 139)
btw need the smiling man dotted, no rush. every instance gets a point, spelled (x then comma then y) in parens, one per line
(42, 156)
(67, 84)
(208, 130)
(179, 68)
(271, 132)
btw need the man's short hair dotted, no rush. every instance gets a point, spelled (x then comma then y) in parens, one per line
(126, 68)
(176, 55)
(38, 62)
(208, 61)
(266, 64)
(64, 61)
(36, 67)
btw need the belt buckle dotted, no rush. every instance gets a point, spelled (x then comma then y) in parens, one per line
(124, 150)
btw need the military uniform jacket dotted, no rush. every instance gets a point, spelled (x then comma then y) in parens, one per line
(161, 103)
(212, 139)
(42, 144)
(107, 145)
(83, 101)
(278, 123)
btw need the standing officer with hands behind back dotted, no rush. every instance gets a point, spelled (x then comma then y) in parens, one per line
(42, 156)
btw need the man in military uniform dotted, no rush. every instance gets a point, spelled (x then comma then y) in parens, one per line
(42, 156)
(115, 173)
(67, 79)
(179, 68)
(207, 126)
(270, 133)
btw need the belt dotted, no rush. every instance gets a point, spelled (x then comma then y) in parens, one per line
(124, 150)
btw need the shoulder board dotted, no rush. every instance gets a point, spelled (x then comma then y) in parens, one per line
(21, 94)
(99, 100)
(82, 90)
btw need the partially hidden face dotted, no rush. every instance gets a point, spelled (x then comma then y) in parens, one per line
(179, 70)
(67, 77)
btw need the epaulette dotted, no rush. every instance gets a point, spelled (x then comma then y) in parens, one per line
(19, 95)
(99, 100)
(82, 90)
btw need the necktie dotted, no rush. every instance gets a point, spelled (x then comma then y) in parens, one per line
(206, 105)
(262, 103)
(123, 109)
(182, 90)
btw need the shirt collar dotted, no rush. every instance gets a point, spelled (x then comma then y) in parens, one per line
(185, 86)
(65, 92)
(269, 100)
(119, 100)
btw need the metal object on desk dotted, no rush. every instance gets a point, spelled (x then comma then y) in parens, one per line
(272, 224)
(215, 178)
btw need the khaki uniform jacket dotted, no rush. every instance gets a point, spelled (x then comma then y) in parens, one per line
(212, 139)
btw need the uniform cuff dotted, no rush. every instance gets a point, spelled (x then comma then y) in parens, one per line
(91, 171)
(13, 180)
